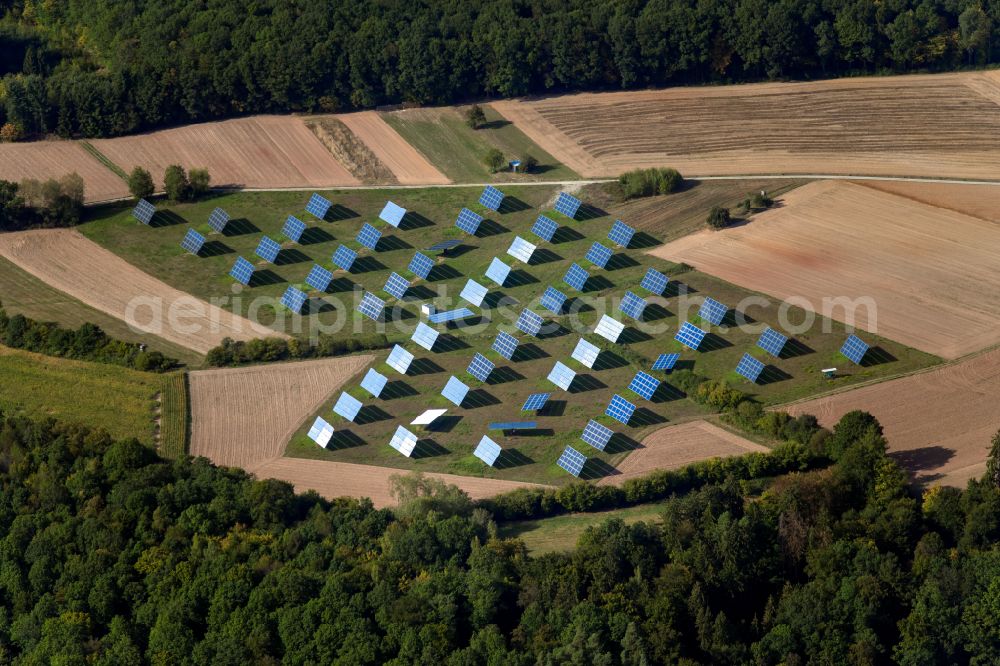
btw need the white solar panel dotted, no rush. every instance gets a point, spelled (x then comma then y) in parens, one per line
(632, 305)
(545, 228)
(713, 311)
(749, 367)
(597, 435)
(404, 441)
(369, 236)
(553, 300)
(392, 214)
(621, 234)
(399, 360)
(491, 197)
(690, 335)
(488, 451)
(455, 390)
(655, 281)
(218, 219)
(425, 336)
(620, 409)
(567, 204)
(609, 329)
(449, 315)
(521, 249)
(498, 271)
(505, 345)
(319, 278)
(468, 221)
(572, 461)
(586, 353)
(347, 406)
(294, 299)
(576, 277)
(318, 206)
(562, 375)
(371, 306)
(321, 432)
(474, 293)
(529, 323)
(396, 285)
(421, 265)
(599, 255)
(374, 382)
(480, 367)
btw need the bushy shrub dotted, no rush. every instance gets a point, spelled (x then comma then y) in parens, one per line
(648, 182)
(494, 160)
(719, 218)
(475, 117)
(267, 350)
(140, 183)
(176, 184)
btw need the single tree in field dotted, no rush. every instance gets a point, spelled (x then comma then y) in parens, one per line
(494, 159)
(140, 183)
(719, 218)
(529, 164)
(475, 117)
(175, 182)
(993, 463)
(200, 181)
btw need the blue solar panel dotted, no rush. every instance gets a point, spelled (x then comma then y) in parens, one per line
(347, 406)
(690, 335)
(468, 221)
(425, 336)
(444, 245)
(586, 353)
(632, 305)
(488, 451)
(621, 234)
(535, 402)
(491, 197)
(293, 229)
(644, 385)
(144, 211)
(505, 344)
(193, 241)
(399, 360)
(481, 367)
(562, 375)
(421, 265)
(242, 271)
(374, 382)
(455, 391)
(449, 315)
(294, 299)
(572, 461)
(576, 277)
(655, 281)
(392, 214)
(344, 257)
(318, 206)
(498, 271)
(599, 255)
(529, 323)
(713, 311)
(513, 425)
(749, 367)
(620, 409)
(521, 249)
(544, 228)
(854, 348)
(474, 292)
(371, 306)
(396, 285)
(218, 219)
(597, 435)
(268, 249)
(772, 342)
(369, 236)
(567, 204)
(553, 300)
(666, 361)
(319, 278)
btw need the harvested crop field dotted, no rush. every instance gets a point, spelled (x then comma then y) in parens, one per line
(260, 151)
(242, 417)
(938, 423)
(945, 125)
(680, 445)
(333, 479)
(930, 272)
(409, 166)
(982, 201)
(69, 262)
(54, 159)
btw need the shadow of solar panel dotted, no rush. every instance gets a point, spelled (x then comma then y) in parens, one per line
(369, 236)
(553, 300)
(318, 206)
(597, 435)
(218, 219)
(193, 241)
(644, 385)
(425, 336)
(854, 348)
(396, 285)
(599, 255)
(293, 229)
(529, 323)
(572, 461)
(498, 271)
(609, 329)
(371, 306)
(347, 406)
(267, 249)
(632, 305)
(487, 450)
(444, 245)
(392, 214)
(321, 432)
(772, 342)
(481, 367)
(242, 271)
(474, 293)
(294, 299)
(535, 402)
(621, 234)
(144, 211)
(586, 353)
(665, 361)
(690, 335)
(620, 409)
(544, 228)
(655, 281)
(567, 204)
(576, 277)
(344, 257)
(374, 382)
(455, 390)
(468, 221)
(713, 311)
(319, 278)
(403, 441)
(505, 344)
(491, 197)
(749, 367)
(449, 315)
(562, 376)
(399, 360)
(521, 249)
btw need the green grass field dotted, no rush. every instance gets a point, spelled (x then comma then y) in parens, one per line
(174, 416)
(449, 449)
(561, 533)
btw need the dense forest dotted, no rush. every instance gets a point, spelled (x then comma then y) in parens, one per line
(111, 555)
(104, 67)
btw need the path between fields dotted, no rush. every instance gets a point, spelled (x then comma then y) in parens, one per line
(71, 263)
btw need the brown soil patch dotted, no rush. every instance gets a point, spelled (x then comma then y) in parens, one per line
(938, 423)
(680, 445)
(54, 159)
(409, 166)
(982, 201)
(261, 151)
(71, 263)
(931, 272)
(928, 125)
(350, 151)
(242, 417)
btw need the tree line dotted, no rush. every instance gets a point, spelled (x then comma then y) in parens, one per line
(104, 68)
(41, 204)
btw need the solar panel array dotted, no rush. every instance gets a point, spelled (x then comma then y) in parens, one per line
(268, 249)
(854, 348)
(632, 305)
(425, 336)
(392, 214)
(621, 234)
(468, 221)
(535, 402)
(421, 265)
(399, 360)
(644, 385)
(599, 255)
(690, 335)
(713, 311)
(144, 211)
(597, 435)
(404, 441)
(293, 229)
(505, 345)
(319, 278)
(294, 299)
(374, 382)
(567, 204)
(481, 367)
(562, 375)
(218, 219)
(242, 271)
(318, 206)
(572, 461)
(609, 328)
(545, 228)
(491, 197)
(347, 406)
(553, 300)
(396, 285)
(521, 249)
(576, 277)
(749, 367)
(474, 293)
(655, 281)
(620, 409)
(321, 432)
(529, 323)
(371, 306)
(586, 353)
(369, 236)
(193, 241)
(488, 451)
(772, 342)
(455, 390)
(666, 361)
(344, 257)
(449, 315)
